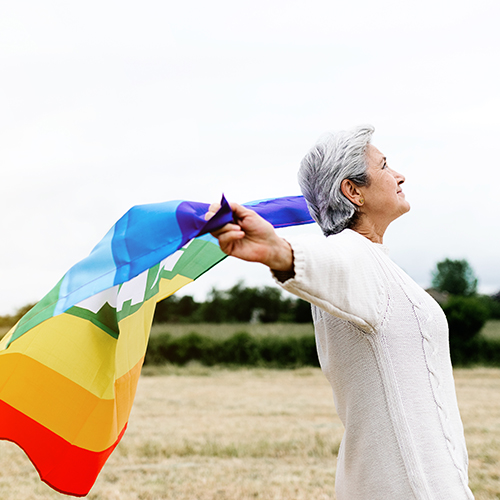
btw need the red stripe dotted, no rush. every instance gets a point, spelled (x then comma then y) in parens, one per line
(66, 468)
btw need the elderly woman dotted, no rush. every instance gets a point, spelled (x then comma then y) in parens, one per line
(382, 341)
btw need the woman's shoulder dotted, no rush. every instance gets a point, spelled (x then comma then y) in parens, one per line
(346, 237)
(351, 243)
(339, 274)
(346, 246)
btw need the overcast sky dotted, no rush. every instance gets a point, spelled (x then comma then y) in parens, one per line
(109, 104)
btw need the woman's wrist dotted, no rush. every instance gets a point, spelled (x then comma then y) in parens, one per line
(281, 258)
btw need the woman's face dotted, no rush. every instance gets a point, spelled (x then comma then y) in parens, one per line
(384, 197)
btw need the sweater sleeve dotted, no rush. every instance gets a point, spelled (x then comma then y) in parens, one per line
(340, 275)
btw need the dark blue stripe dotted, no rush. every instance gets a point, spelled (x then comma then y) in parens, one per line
(191, 218)
(283, 212)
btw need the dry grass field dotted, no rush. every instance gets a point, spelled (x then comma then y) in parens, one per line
(212, 433)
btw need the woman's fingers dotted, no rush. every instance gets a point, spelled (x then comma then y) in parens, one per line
(239, 211)
(228, 237)
(212, 210)
(227, 228)
(252, 238)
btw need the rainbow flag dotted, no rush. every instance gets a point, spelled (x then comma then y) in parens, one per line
(69, 368)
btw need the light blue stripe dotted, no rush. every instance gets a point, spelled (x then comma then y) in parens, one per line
(143, 236)
(89, 276)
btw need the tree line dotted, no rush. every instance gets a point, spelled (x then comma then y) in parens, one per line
(238, 304)
(454, 279)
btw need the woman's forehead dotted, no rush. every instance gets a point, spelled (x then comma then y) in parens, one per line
(374, 156)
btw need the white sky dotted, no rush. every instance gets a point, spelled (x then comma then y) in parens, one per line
(107, 104)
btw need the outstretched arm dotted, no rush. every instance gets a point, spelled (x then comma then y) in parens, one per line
(253, 239)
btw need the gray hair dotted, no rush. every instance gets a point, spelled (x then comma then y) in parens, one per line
(335, 157)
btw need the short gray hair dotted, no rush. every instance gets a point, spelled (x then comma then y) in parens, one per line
(335, 157)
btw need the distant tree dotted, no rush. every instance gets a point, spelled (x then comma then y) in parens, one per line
(187, 306)
(272, 305)
(239, 304)
(492, 305)
(455, 277)
(302, 312)
(6, 321)
(241, 301)
(214, 309)
(174, 309)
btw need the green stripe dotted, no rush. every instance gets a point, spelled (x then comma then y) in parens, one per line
(197, 259)
(42, 311)
(105, 318)
(199, 256)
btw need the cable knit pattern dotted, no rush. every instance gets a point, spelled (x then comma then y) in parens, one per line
(383, 345)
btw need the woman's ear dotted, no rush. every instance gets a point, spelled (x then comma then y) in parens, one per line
(352, 192)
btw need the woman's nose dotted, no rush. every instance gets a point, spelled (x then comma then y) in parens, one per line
(400, 178)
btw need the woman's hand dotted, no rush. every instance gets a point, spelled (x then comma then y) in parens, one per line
(252, 238)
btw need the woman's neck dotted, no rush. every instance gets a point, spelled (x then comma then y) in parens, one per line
(369, 229)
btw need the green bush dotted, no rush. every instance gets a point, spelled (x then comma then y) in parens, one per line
(476, 351)
(239, 349)
(466, 316)
(181, 350)
(492, 305)
(273, 351)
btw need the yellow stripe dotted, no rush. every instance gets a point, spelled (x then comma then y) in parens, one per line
(75, 348)
(6, 338)
(84, 354)
(64, 407)
(134, 329)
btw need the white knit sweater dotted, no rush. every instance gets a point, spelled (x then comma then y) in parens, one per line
(383, 345)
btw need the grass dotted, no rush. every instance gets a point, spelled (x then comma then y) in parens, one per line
(222, 331)
(491, 330)
(226, 330)
(214, 434)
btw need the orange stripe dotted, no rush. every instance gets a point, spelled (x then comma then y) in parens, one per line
(75, 348)
(64, 407)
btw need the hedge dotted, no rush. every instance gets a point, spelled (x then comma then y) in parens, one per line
(477, 351)
(283, 352)
(239, 349)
